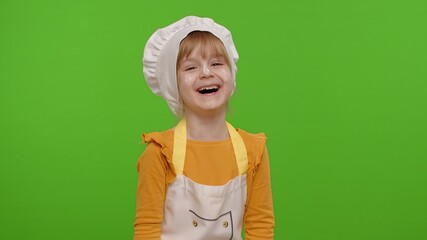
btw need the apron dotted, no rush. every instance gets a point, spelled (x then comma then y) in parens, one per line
(195, 211)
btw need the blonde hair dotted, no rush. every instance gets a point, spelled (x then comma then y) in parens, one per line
(206, 39)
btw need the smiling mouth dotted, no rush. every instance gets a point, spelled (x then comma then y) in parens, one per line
(207, 90)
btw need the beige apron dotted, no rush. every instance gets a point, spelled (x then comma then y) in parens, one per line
(195, 211)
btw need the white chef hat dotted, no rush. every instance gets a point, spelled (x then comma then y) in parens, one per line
(161, 52)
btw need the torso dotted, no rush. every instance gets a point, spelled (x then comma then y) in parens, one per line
(210, 163)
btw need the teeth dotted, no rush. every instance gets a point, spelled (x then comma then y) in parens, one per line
(208, 88)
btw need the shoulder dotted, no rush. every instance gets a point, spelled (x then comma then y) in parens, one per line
(163, 138)
(158, 153)
(252, 139)
(159, 144)
(254, 142)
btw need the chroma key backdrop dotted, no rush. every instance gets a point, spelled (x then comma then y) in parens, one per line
(338, 87)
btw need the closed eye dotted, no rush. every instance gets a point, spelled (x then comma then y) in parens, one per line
(189, 68)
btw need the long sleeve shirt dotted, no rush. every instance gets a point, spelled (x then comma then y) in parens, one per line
(208, 163)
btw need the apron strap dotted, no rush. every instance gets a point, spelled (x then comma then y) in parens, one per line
(180, 146)
(239, 149)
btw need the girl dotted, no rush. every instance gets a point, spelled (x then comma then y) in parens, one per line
(204, 179)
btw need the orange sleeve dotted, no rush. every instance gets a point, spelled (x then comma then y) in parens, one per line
(151, 191)
(259, 215)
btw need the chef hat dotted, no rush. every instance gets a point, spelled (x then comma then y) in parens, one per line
(161, 52)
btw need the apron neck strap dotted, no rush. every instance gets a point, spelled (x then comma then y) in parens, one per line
(180, 146)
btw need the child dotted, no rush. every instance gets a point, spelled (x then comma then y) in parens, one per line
(204, 179)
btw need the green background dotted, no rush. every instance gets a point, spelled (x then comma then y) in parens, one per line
(339, 87)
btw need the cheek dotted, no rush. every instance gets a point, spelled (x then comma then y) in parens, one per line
(184, 82)
(226, 74)
(227, 78)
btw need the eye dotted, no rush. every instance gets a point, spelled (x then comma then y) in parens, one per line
(189, 68)
(217, 64)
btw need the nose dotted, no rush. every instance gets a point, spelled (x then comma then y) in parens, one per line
(206, 72)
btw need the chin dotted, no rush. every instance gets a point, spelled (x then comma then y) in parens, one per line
(215, 108)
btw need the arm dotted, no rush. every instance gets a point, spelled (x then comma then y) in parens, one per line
(150, 193)
(259, 215)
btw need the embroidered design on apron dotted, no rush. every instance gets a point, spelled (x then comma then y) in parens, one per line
(195, 211)
(222, 224)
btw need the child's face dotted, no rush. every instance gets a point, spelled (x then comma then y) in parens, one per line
(205, 84)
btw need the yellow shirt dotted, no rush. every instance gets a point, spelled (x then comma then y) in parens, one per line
(209, 163)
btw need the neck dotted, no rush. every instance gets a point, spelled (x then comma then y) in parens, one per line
(206, 127)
